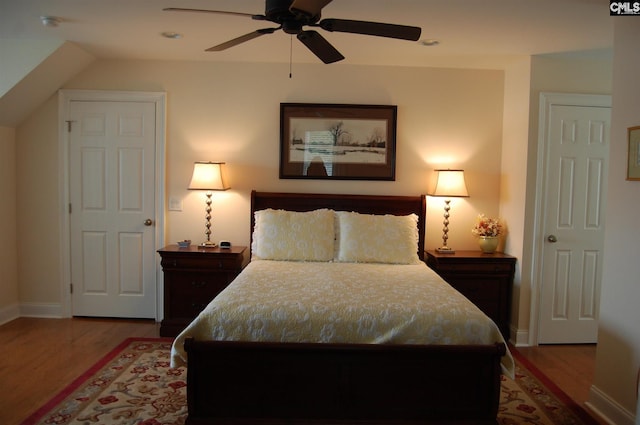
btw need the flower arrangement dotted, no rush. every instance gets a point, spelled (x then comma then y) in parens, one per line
(486, 226)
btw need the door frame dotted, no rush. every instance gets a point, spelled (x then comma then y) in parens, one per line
(547, 100)
(65, 97)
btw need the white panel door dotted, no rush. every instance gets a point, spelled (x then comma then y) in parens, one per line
(576, 171)
(112, 196)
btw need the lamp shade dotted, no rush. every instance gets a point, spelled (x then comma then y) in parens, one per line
(207, 176)
(450, 184)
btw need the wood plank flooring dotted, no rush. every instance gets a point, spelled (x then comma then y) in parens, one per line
(40, 357)
(570, 367)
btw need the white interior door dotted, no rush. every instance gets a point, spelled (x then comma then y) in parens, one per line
(112, 206)
(576, 166)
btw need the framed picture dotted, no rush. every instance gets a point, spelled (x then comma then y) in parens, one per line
(633, 161)
(339, 142)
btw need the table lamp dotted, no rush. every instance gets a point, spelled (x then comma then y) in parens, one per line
(449, 184)
(208, 176)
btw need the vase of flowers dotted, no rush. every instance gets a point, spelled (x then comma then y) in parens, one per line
(488, 231)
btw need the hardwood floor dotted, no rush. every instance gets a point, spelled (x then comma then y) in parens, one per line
(570, 367)
(42, 356)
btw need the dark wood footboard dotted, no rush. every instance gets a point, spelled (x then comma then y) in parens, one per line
(274, 383)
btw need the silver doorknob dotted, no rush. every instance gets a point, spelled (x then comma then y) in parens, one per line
(148, 222)
(552, 238)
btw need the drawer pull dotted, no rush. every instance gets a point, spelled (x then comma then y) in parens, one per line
(198, 284)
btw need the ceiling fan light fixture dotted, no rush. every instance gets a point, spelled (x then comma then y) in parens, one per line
(50, 21)
(172, 35)
(430, 42)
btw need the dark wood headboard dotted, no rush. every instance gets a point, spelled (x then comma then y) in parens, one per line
(364, 204)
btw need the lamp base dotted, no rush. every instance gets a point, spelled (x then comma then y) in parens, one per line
(445, 250)
(208, 244)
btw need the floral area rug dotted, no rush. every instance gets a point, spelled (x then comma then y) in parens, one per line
(134, 385)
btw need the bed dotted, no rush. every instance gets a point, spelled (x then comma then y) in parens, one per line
(338, 320)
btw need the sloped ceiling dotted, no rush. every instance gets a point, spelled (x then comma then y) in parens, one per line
(41, 83)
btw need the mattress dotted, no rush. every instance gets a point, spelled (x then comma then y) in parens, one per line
(334, 302)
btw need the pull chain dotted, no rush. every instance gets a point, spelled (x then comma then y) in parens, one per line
(290, 55)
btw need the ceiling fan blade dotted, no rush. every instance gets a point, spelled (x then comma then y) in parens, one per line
(241, 39)
(308, 7)
(371, 28)
(220, 12)
(320, 46)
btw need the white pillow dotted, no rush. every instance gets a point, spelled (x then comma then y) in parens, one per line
(293, 236)
(370, 238)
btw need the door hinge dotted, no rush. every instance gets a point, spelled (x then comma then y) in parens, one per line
(71, 288)
(70, 208)
(69, 125)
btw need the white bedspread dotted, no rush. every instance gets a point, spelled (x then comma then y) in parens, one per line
(284, 301)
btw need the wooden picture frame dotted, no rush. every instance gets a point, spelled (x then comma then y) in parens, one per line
(633, 159)
(337, 141)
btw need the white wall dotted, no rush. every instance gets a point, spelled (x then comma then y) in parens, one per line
(38, 209)
(8, 235)
(618, 356)
(513, 175)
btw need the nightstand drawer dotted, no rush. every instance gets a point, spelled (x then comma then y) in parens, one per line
(189, 306)
(188, 293)
(475, 268)
(201, 263)
(198, 284)
(491, 308)
(477, 289)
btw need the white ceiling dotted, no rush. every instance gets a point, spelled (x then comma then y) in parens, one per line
(471, 32)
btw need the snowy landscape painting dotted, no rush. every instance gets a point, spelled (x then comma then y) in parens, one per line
(338, 141)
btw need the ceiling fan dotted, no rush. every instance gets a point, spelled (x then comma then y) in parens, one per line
(293, 15)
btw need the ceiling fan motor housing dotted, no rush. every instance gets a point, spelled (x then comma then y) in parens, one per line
(278, 11)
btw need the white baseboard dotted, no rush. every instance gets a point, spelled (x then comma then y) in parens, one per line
(519, 337)
(41, 310)
(9, 313)
(607, 409)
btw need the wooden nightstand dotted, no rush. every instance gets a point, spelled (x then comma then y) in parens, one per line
(485, 279)
(194, 276)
